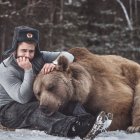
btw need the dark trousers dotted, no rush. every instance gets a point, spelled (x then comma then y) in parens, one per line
(16, 115)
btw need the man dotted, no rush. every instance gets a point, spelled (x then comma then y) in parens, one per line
(18, 109)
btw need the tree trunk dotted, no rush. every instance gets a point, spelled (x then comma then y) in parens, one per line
(3, 40)
(136, 13)
(131, 11)
(52, 8)
(61, 10)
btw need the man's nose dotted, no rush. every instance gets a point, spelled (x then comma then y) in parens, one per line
(27, 54)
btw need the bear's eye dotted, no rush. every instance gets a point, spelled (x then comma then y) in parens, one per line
(38, 94)
(50, 87)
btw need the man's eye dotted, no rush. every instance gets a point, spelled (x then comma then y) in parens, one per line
(32, 51)
(23, 50)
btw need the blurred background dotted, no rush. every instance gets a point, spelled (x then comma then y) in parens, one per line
(102, 26)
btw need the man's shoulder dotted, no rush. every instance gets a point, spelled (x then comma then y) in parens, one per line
(7, 65)
(6, 69)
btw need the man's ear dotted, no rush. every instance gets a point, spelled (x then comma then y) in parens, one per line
(63, 64)
(15, 54)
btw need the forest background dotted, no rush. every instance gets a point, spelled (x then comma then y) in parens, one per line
(102, 26)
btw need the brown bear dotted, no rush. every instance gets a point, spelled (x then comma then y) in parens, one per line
(100, 82)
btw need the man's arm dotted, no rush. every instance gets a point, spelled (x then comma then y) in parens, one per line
(51, 59)
(18, 90)
(69, 56)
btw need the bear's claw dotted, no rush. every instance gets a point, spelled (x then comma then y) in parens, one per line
(133, 129)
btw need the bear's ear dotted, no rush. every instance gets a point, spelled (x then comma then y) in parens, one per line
(62, 63)
(75, 71)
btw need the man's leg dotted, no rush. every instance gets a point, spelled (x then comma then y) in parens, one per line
(15, 115)
(86, 126)
(102, 123)
(63, 122)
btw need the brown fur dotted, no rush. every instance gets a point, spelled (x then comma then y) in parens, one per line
(100, 82)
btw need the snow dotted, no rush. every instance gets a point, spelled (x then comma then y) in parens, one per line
(118, 135)
(24, 134)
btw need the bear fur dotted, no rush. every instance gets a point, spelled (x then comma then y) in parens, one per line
(100, 82)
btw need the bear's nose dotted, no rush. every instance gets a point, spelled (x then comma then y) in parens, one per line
(45, 110)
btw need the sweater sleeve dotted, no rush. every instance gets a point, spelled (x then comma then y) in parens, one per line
(52, 57)
(18, 90)
(69, 56)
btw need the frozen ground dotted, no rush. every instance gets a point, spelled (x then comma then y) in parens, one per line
(23, 134)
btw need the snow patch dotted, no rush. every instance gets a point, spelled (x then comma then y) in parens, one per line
(25, 134)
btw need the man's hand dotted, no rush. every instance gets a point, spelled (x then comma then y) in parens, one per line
(24, 63)
(48, 67)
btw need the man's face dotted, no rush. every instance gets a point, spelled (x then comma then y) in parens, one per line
(25, 50)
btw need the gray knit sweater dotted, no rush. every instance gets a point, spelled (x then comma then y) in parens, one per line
(16, 84)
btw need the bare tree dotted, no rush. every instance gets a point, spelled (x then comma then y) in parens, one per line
(3, 40)
(29, 10)
(61, 10)
(136, 12)
(126, 14)
(131, 11)
(52, 10)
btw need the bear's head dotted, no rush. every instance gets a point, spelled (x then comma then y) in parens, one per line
(68, 82)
